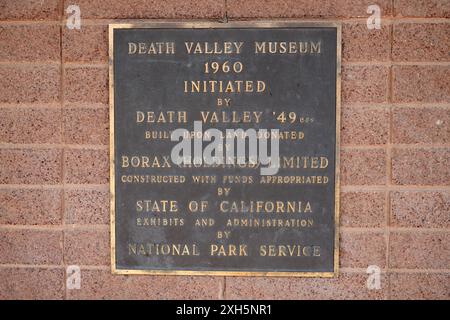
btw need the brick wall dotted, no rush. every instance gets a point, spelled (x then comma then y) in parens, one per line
(395, 150)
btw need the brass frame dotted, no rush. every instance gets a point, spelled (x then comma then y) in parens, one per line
(234, 24)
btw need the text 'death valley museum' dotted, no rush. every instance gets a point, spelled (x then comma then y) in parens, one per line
(224, 148)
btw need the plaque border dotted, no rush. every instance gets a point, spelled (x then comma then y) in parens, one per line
(201, 24)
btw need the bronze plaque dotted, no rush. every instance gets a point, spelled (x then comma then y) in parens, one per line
(224, 148)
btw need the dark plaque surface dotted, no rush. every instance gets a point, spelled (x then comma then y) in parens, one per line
(225, 218)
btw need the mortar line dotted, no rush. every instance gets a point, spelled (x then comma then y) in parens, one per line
(389, 158)
(410, 146)
(52, 266)
(396, 270)
(104, 64)
(400, 188)
(224, 293)
(82, 146)
(100, 227)
(25, 63)
(226, 10)
(98, 105)
(395, 229)
(397, 104)
(63, 204)
(52, 106)
(87, 187)
(51, 228)
(93, 65)
(53, 145)
(107, 268)
(37, 266)
(344, 188)
(389, 19)
(396, 63)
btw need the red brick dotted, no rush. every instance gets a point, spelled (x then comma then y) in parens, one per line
(361, 44)
(301, 8)
(421, 83)
(31, 10)
(365, 126)
(363, 167)
(421, 42)
(421, 166)
(360, 249)
(86, 84)
(86, 207)
(29, 43)
(99, 284)
(421, 125)
(32, 207)
(426, 209)
(89, 44)
(86, 166)
(415, 286)
(31, 283)
(29, 83)
(346, 286)
(364, 84)
(135, 9)
(362, 209)
(41, 166)
(86, 126)
(30, 247)
(420, 8)
(30, 125)
(87, 247)
(421, 250)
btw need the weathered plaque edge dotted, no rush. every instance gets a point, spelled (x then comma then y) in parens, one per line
(217, 25)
